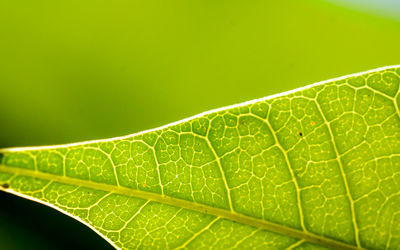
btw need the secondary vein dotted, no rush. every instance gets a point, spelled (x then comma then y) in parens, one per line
(353, 213)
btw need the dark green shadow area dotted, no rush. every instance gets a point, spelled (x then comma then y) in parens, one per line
(28, 225)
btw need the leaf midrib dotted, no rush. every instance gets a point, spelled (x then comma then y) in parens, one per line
(168, 200)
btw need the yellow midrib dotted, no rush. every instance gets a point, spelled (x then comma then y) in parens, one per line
(226, 214)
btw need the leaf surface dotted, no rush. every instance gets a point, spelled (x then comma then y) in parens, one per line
(311, 168)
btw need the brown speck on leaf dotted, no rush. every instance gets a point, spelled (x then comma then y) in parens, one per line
(5, 185)
(312, 123)
(300, 133)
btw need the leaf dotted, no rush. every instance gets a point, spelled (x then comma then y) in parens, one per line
(311, 168)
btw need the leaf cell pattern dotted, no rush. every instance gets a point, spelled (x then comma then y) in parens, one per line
(314, 168)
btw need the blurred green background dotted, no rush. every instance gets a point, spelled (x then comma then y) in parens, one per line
(80, 70)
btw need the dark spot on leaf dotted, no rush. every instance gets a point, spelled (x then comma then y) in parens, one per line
(300, 133)
(5, 185)
(1, 157)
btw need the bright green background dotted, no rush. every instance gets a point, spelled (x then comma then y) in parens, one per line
(78, 70)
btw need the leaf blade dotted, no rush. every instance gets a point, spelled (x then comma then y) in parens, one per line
(275, 165)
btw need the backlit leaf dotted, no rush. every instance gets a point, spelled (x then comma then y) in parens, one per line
(311, 168)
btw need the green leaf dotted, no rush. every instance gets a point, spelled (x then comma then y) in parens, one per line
(311, 168)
